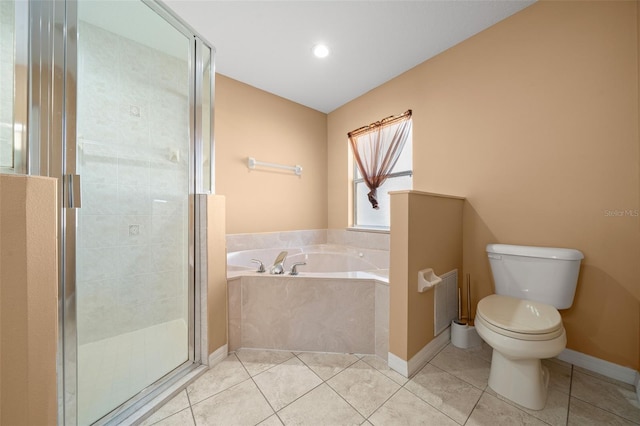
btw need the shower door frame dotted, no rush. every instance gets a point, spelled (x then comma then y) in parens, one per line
(52, 152)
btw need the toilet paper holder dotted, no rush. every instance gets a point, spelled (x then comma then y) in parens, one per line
(427, 279)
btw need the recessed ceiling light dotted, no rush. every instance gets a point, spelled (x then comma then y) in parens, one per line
(320, 50)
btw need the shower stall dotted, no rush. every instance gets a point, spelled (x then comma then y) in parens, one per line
(119, 107)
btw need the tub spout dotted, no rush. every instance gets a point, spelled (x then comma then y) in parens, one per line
(278, 265)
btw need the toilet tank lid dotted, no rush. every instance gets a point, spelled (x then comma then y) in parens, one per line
(532, 251)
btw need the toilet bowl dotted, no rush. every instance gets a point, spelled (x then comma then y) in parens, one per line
(521, 321)
(521, 333)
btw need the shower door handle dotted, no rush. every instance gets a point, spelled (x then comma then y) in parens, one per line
(72, 192)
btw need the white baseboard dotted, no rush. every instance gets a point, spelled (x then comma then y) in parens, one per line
(409, 368)
(218, 355)
(600, 366)
(398, 364)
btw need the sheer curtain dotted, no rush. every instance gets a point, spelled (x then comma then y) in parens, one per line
(376, 148)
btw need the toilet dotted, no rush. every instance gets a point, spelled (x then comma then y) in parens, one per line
(521, 321)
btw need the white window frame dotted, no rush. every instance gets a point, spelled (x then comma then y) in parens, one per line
(358, 179)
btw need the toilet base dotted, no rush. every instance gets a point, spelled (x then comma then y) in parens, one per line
(523, 381)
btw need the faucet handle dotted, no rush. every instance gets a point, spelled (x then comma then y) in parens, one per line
(261, 267)
(294, 268)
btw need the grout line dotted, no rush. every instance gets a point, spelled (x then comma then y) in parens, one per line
(220, 391)
(438, 353)
(190, 407)
(310, 369)
(428, 403)
(385, 401)
(307, 392)
(344, 399)
(349, 404)
(310, 390)
(235, 353)
(255, 384)
(605, 409)
(324, 382)
(474, 406)
(570, 389)
(266, 399)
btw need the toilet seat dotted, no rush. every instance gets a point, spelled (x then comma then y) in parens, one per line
(519, 319)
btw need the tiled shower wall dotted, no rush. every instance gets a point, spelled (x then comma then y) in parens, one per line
(6, 82)
(133, 159)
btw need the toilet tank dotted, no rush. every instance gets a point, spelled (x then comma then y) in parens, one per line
(543, 274)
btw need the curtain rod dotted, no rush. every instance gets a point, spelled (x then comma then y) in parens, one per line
(384, 122)
(252, 163)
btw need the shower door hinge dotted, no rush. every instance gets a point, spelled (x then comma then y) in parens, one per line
(71, 191)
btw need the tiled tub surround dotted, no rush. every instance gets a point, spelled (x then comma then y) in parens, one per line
(320, 259)
(343, 315)
(338, 303)
(292, 239)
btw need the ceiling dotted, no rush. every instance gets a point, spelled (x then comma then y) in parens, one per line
(268, 44)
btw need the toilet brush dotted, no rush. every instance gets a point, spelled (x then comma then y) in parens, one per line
(463, 334)
(469, 320)
(459, 320)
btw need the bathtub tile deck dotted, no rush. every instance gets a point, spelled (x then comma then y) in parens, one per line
(273, 388)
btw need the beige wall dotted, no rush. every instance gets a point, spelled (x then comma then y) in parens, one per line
(426, 232)
(252, 123)
(28, 300)
(217, 273)
(535, 122)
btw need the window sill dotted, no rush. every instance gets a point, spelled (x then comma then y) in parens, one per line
(369, 229)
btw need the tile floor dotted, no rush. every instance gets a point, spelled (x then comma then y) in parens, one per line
(252, 387)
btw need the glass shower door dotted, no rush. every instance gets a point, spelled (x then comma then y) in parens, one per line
(135, 226)
(13, 86)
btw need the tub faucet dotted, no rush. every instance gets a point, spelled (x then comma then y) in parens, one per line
(278, 265)
(261, 267)
(294, 268)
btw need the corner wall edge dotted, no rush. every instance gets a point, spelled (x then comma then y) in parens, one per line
(419, 360)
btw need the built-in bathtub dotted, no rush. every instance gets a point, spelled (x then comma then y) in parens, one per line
(319, 259)
(339, 302)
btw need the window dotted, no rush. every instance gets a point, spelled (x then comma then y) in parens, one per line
(399, 178)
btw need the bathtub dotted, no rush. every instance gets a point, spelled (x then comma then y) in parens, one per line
(321, 260)
(339, 302)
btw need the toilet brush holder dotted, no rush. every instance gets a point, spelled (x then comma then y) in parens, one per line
(464, 336)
